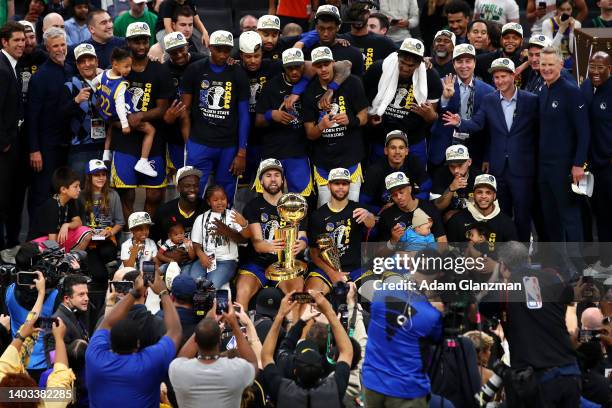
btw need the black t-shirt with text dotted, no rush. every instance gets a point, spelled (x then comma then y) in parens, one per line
(443, 178)
(373, 47)
(278, 140)
(257, 82)
(51, 216)
(339, 145)
(374, 183)
(502, 228)
(214, 104)
(27, 66)
(394, 215)
(145, 88)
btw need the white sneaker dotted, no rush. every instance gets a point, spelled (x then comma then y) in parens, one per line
(107, 156)
(144, 166)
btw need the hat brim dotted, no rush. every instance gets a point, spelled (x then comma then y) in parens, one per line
(91, 54)
(142, 223)
(132, 37)
(339, 179)
(464, 54)
(407, 184)
(326, 59)
(193, 172)
(176, 47)
(405, 52)
(457, 161)
(398, 137)
(294, 63)
(222, 45)
(512, 31)
(94, 171)
(493, 69)
(327, 13)
(262, 171)
(485, 185)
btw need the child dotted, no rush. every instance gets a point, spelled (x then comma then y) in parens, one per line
(478, 235)
(176, 242)
(419, 237)
(140, 247)
(215, 235)
(115, 104)
(58, 218)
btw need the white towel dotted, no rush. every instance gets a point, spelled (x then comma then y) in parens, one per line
(387, 84)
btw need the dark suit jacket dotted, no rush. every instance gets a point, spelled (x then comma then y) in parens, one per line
(10, 104)
(74, 330)
(519, 145)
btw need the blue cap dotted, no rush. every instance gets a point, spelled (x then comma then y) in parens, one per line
(183, 286)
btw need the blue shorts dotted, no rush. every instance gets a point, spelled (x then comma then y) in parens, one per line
(175, 156)
(217, 160)
(259, 272)
(354, 275)
(123, 174)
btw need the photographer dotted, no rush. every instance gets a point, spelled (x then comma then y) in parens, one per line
(182, 289)
(74, 307)
(544, 369)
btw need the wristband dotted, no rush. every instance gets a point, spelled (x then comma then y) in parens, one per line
(163, 292)
(333, 85)
(19, 336)
(305, 239)
(354, 121)
(268, 115)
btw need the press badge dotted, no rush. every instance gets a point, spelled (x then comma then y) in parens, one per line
(460, 137)
(97, 129)
(533, 295)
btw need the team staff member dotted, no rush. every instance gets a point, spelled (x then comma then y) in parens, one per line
(336, 131)
(217, 97)
(563, 148)
(511, 46)
(597, 90)
(346, 222)
(533, 80)
(263, 219)
(151, 87)
(442, 52)
(511, 152)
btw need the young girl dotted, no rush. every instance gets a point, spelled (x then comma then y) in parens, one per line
(140, 247)
(176, 242)
(215, 236)
(116, 104)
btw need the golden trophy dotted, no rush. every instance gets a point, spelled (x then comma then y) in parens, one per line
(328, 251)
(291, 209)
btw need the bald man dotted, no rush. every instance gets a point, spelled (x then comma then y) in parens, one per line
(591, 319)
(53, 20)
(597, 89)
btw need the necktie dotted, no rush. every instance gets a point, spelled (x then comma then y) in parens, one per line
(470, 104)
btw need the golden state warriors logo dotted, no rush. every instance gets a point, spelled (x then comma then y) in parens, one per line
(264, 217)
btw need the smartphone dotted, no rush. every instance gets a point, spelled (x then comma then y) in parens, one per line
(302, 297)
(46, 323)
(564, 17)
(123, 286)
(26, 278)
(222, 301)
(542, 4)
(394, 21)
(148, 271)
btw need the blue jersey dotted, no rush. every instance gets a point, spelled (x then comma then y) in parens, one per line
(107, 92)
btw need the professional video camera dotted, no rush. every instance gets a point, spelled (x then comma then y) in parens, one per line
(488, 391)
(204, 297)
(55, 263)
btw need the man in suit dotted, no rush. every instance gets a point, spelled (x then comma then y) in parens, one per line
(12, 37)
(510, 117)
(462, 94)
(74, 307)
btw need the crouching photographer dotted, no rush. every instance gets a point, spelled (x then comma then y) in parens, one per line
(544, 371)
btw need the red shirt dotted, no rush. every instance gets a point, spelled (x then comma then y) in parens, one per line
(293, 8)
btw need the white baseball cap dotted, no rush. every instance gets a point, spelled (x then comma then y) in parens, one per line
(321, 54)
(222, 37)
(293, 56)
(139, 1)
(413, 46)
(84, 49)
(139, 218)
(585, 185)
(174, 40)
(269, 164)
(187, 171)
(339, 174)
(505, 64)
(485, 180)
(27, 25)
(268, 22)
(95, 166)
(446, 33)
(464, 49)
(516, 27)
(249, 42)
(139, 29)
(328, 9)
(396, 180)
(540, 40)
(457, 154)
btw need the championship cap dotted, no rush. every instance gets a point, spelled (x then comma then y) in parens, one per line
(293, 56)
(457, 154)
(95, 166)
(505, 64)
(396, 134)
(464, 49)
(446, 33)
(222, 37)
(328, 9)
(84, 49)
(540, 40)
(339, 174)
(419, 217)
(187, 171)
(27, 25)
(268, 22)
(321, 54)
(396, 180)
(174, 40)
(269, 164)
(585, 185)
(138, 29)
(512, 27)
(413, 46)
(139, 218)
(249, 42)
(485, 180)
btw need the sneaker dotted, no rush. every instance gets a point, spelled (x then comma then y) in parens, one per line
(144, 166)
(598, 271)
(8, 255)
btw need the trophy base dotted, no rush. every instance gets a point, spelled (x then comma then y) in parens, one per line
(277, 272)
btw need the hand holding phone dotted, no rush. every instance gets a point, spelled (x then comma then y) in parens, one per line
(26, 278)
(222, 301)
(123, 286)
(148, 271)
(302, 297)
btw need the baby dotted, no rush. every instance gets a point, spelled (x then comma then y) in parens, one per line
(478, 235)
(176, 242)
(418, 236)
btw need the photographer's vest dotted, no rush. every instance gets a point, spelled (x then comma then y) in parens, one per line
(325, 394)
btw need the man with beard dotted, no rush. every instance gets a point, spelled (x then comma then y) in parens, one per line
(76, 27)
(597, 90)
(458, 15)
(46, 134)
(216, 96)
(396, 218)
(511, 152)
(346, 223)
(397, 158)
(484, 209)
(336, 129)
(511, 46)
(268, 27)
(462, 94)
(150, 87)
(373, 47)
(264, 220)
(442, 52)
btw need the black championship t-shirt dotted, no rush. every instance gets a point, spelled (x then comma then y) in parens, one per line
(281, 141)
(341, 53)
(145, 88)
(339, 145)
(168, 214)
(374, 184)
(27, 66)
(501, 226)
(394, 215)
(257, 82)
(373, 47)
(343, 228)
(214, 104)
(259, 211)
(443, 178)
(398, 116)
(51, 216)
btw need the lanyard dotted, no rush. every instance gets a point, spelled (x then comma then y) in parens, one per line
(62, 218)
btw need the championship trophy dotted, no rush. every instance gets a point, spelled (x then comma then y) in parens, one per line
(328, 251)
(292, 209)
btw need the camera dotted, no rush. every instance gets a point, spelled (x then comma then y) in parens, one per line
(204, 297)
(55, 263)
(586, 336)
(488, 391)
